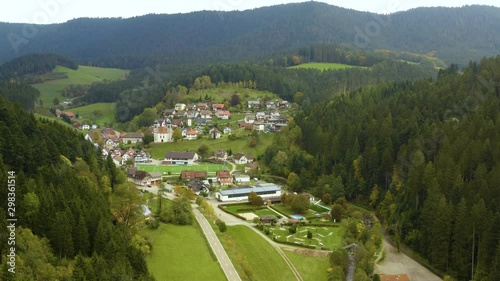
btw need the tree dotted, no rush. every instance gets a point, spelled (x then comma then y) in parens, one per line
(309, 234)
(177, 135)
(254, 199)
(337, 212)
(126, 205)
(203, 151)
(148, 138)
(235, 100)
(300, 203)
(293, 182)
(327, 199)
(55, 101)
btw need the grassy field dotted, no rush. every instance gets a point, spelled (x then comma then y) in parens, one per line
(85, 75)
(310, 268)
(87, 113)
(324, 66)
(330, 237)
(240, 145)
(180, 253)
(287, 210)
(177, 169)
(234, 209)
(224, 93)
(253, 257)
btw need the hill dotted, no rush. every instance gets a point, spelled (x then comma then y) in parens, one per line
(454, 34)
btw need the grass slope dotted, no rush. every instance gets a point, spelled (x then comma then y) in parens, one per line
(310, 268)
(324, 66)
(87, 112)
(176, 170)
(253, 257)
(180, 253)
(85, 75)
(224, 93)
(158, 150)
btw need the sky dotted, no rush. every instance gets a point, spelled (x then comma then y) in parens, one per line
(57, 11)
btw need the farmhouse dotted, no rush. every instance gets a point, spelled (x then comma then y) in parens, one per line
(224, 177)
(132, 138)
(263, 190)
(193, 175)
(240, 159)
(180, 158)
(137, 177)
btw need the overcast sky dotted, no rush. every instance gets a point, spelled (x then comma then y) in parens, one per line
(55, 11)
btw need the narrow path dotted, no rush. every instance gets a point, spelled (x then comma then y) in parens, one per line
(224, 261)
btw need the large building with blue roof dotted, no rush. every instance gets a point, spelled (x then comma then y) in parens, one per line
(269, 190)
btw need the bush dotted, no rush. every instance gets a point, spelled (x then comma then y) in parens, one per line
(153, 223)
(292, 229)
(222, 226)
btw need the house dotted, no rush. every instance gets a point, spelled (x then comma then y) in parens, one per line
(283, 104)
(154, 178)
(274, 116)
(192, 114)
(270, 105)
(242, 179)
(142, 157)
(268, 218)
(249, 119)
(396, 277)
(221, 154)
(180, 106)
(224, 177)
(191, 134)
(69, 114)
(162, 134)
(177, 123)
(198, 186)
(251, 166)
(239, 194)
(77, 125)
(246, 126)
(260, 116)
(223, 114)
(58, 113)
(193, 175)
(201, 121)
(250, 158)
(180, 158)
(240, 159)
(206, 114)
(180, 114)
(253, 104)
(227, 130)
(85, 126)
(202, 106)
(217, 106)
(259, 127)
(191, 107)
(137, 177)
(214, 133)
(132, 138)
(112, 142)
(168, 113)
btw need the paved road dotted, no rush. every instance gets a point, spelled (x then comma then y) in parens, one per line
(224, 261)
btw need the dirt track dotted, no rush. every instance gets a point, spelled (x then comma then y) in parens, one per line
(398, 263)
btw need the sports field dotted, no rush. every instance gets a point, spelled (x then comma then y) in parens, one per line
(177, 169)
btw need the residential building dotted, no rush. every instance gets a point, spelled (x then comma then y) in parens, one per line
(217, 106)
(249, 119)
(162, 134)
(242, 179)
(180, 106)
(191, 134)
(240, 159)
(221, 154)
(223, 114)
(224, 177)
(202, 106)
(132, 138)
(206, 114)
(180, 158)
(253, 104)
(214, 133)
(227, 130)
(193, 175)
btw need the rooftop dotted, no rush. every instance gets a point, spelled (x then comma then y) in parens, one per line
(243, 191)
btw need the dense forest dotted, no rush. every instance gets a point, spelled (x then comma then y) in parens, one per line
(23, 67)
(453, 34)
(68, 205)
(424, 154)
(18, 92)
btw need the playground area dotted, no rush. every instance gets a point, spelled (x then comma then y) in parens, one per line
(322, 236)
(177, 169)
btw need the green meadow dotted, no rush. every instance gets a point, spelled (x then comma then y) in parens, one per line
(324, 66)
(106, 113)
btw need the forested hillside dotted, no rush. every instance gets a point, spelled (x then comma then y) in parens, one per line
(453, 34)
(29, 66)
(425, 155)
(67, 203)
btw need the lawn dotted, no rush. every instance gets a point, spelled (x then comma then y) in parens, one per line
(177, 169)
(330, 237)
(85, 75)
(253, 257)
(240, 145)
(324, 66)
(181, 253)
(287, 210)
(222, 94)
(234, 209)
(107, 111)
(310, 268)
